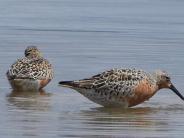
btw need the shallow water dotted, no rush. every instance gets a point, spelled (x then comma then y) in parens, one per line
(82, 38)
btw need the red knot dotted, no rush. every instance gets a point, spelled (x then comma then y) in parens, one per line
(122, 87)
(30, 73)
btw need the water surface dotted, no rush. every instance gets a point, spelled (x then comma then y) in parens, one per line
(82, 38)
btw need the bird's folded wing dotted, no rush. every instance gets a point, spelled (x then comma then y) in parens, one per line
(30, 69)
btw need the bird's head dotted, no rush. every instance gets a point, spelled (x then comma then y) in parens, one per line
(164, 81)
(32, 52)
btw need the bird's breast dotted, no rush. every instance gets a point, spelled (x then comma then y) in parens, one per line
(43, 83)
(142, 92)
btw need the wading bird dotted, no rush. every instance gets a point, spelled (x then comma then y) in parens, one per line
(122, 87)
(30, 73)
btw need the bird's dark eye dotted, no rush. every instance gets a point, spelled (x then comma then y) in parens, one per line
(167, 78)
(27, 54)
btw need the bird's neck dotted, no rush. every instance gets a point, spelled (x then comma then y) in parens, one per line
(157, 79)
(33, 56)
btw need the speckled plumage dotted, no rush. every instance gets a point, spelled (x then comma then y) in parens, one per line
(118, 87)
(32, 71)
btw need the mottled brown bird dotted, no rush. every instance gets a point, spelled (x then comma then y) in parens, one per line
(122, 87)
(30, 73)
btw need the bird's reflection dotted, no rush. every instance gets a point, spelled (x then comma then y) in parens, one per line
(29, 100)
(135, 117)
(114, 122)
(28, 93)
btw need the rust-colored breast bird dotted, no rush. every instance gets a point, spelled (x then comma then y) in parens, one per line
(122, 87)
(30, 73)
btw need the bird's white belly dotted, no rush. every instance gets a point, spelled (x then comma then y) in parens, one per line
(25, 84)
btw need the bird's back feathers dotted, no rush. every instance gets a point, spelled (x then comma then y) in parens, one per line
(25, 68)
(119, 81)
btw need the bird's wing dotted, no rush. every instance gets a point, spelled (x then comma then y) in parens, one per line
(118, 81)
(38, 68)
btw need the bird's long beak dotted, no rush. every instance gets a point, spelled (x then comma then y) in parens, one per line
(176, 91)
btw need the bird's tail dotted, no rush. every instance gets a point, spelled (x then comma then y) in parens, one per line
(86, 84)
(69, 84)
